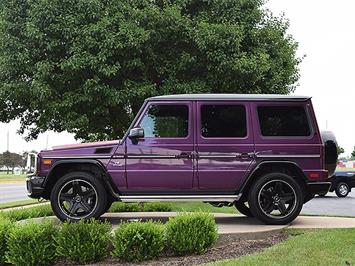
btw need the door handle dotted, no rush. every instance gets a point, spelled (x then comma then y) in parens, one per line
(183, 155)
(246, 155)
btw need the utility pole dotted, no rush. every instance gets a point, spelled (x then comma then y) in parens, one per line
(8, 140)
(47, 142)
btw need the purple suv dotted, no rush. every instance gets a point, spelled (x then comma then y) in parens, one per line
(264, 154)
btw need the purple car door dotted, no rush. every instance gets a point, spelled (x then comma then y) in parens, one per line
(162, 160)
(225, 144)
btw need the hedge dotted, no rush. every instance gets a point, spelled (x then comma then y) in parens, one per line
(84, 241)
(138, 241)
(5, 226)
(31, 244)
(191, 233)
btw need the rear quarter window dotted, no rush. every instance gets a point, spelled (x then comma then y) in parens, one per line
(288, 121)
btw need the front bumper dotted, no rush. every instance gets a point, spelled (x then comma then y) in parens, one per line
(34, 186)
(318, 187)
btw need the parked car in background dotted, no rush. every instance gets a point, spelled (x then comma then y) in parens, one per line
(262, 153)
(342, 183)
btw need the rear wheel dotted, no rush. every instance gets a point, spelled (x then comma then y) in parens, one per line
(275, 198)
(342, 190)
(243, 208)
(78, 195)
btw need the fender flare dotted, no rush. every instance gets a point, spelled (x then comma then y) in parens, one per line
(106, 177)
(264, 163)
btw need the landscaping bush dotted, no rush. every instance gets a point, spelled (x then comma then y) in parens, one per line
(26, 213)
(5, 226)
(31, 244)
(138, 241)
(84, 241)
(124, 207)
(157, 207)
(135, 207)
(191, 233)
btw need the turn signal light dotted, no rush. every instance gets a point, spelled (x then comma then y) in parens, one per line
(47, 162)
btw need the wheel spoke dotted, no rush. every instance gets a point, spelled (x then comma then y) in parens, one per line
(66, 197)
(76, 188)
(278, 188)
(73, 208)
(282, 207)
(287, 197)
(89, 193)
(85, 206)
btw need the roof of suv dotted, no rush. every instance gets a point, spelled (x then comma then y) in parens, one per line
(220, 96)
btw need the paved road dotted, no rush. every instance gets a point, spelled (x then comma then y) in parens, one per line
(329, 205)
(13, 192)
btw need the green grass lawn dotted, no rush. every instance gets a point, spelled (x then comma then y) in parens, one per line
(8, 178)
(18, 203)
(305, 247)
(200, 206)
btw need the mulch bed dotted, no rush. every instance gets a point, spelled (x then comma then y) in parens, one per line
(221, 252)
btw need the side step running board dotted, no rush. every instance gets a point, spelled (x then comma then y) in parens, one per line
(208, 198)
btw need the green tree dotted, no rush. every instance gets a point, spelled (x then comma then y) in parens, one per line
(10, 160)
(340, 150)
(86, 66)
(353, 154)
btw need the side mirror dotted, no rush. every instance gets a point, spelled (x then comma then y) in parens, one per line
(136, 133)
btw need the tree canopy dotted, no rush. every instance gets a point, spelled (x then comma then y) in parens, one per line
(86, 66)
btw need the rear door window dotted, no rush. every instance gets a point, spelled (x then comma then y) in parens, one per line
(288, 121)
(223, 121)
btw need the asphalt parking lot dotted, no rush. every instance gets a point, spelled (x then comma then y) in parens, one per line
(331, 205)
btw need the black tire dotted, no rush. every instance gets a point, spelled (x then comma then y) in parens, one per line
(342, 189)
(78, 195)
(108, 205)
(273, 193)
(243, 209)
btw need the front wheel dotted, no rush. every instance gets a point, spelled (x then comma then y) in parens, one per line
(342, 190)
(275, 198)
(78, 195)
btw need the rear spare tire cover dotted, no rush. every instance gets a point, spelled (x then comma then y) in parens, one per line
(331, 151)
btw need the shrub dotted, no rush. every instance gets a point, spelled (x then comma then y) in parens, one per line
(157, 207)
(84, 241)
(31, 244)
(5, 226)
(191, 233)
(138, 241)
(26, 213)
(124, 207)
(135, 207)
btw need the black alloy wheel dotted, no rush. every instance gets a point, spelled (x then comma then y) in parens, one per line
(276, 199)
(78, 195)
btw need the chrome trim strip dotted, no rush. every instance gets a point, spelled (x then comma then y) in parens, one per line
(217, 156)
(215, 198)
(151, 156)
(288, 156)
(78, 157)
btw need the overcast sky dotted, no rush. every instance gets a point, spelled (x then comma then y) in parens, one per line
(325, 32)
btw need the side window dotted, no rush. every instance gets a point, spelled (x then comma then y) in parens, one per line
(290, 121)
(166, 121)
(223, 121)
